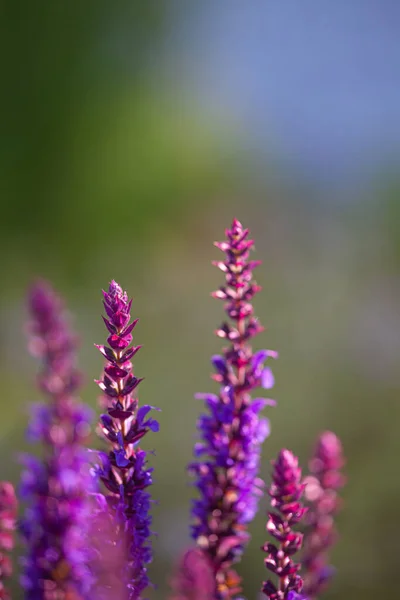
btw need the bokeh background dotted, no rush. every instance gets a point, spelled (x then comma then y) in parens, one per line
(132, 133)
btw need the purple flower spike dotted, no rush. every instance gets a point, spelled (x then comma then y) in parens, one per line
(232, 431)
(194, 578)
(285, 491)
(321, 490)
(56, 486)
(123, 471)
(8, 514)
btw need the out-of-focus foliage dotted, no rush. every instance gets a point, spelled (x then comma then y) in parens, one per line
(92, 152)
(110, 172)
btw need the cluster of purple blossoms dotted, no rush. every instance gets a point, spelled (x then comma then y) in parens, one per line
(321, 491)
(232, 431)
(123, 471)
(87, 528)
(56, 485)
(286, 491)
(8, 514)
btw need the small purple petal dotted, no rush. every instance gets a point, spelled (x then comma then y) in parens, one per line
(219, 363)
(120, 458)
(267, 379)
(259, 359)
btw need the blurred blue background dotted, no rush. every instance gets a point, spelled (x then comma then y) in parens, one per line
(132, 133)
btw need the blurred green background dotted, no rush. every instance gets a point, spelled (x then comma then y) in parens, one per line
(112, 168)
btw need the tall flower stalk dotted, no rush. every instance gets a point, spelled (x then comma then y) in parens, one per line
(124, 471)
(56, 485)
(285, 491)
(8, 515)
(228, 455)
(321, 491)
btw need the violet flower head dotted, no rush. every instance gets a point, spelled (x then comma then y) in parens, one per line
(194, 578)
(8, 515)
(56, 485)
(124, 471)
(228, 454)
(321, 491)
(285, 491)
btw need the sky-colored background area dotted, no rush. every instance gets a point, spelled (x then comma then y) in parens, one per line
(314, 83)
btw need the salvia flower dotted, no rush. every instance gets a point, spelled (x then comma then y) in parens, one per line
(321, 491)
(56, 485)
(285, 491)
(194, 577)
(8, 514)
(232, 431)
(123, 470)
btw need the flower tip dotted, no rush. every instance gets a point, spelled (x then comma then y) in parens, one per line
(236, 224)
(41, 297)
(114, 288)
(287, 459)
(330, 442)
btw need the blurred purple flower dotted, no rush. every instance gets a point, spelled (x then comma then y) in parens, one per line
(56, 486)
(123, 470)
(231, 432)
(194, 577)
(322, 485)
(108, 550)
(8, 514)
(285, 491)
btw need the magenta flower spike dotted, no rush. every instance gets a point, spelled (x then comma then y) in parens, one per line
(321, 491)
(194, 577)
(285, 491)
(228, 454)
(124, 472)
(55, 486)
(8, 515)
